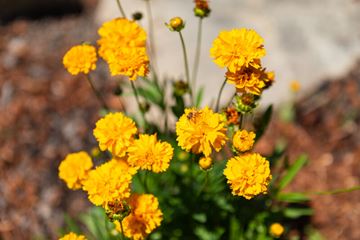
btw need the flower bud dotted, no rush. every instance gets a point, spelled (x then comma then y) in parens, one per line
(137, 16)
(205, 163)
(145, 106)
(201, 8)
(245, 103)
(180, 88)
(176, 24)
(117, 210)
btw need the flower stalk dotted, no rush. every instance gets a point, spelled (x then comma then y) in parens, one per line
(121, 8)
(219, 96)
(186, 63)
(197, 55)
(97, 93)
(139, 104)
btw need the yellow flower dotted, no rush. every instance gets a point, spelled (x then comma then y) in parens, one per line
(115, 132)
(72, 236)
(122, 45)
(248, 175)
(276, 230)
(205, 163)
(243, 140)
(131, 62)
(80, 59)
(145, 216)
(108, 182)
(250, 80)
(74, 169)
(295, 86)
(150, 154)
(201, 130)
(238, 48)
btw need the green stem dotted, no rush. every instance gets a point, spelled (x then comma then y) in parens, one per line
(335, 191)
(219, 96)
(146, 189)
(197, 55)
(121, 9)
(122, 230)
(241, 120)
(205, 183)
(97, 93)
(139, 104)
(152, 41)
(186, 67)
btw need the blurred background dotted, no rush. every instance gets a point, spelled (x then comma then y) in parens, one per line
(46, 113)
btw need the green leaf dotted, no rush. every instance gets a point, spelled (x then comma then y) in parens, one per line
(262, 122)
(200, 217)
(71, 225)
(235, 229)
(151, 93)
(293, 171)
(297, 212)
(292, 197)
(199, 97)
(179, 107)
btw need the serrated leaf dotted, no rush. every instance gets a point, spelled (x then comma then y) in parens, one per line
(292, 171)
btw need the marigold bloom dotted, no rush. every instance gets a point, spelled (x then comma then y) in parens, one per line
(250, 80)
(150, 154)
(276, 230)
(122, 45)
(205, 163)
(238, 48)
(115, 132)
(72, 236)
(145, 216)
(80, 59)
(248, 175)
(131, 62)
(108, 182)
(74, 169)
(243, 140)
(201, 130)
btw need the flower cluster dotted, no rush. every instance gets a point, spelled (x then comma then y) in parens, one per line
(240, 51)
(122, 45)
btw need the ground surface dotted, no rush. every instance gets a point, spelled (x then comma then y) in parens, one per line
(46, 113)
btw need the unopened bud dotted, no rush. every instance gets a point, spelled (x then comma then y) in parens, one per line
(137, 16)
(144, 106)
(175, 24)
(117, 210)
(180, 88)
(205, 163)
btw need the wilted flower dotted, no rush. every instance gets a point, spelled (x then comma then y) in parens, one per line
(248, 175)
(201, 130)
(74, 169)
(80, 59)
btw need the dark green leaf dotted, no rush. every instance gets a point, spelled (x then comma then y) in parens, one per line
(297, 212)
(292, 197)
(292, 171)
(262, 122)
(199, 97)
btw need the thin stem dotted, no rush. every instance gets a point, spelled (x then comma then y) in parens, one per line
(97, 93)
(152, 41)
(138, 103)
(219, 95)
(241, 119)
(186, 67)
(197, 55)
(122, 230)
(335, 191)
(205, 183)
(121, 9)
(146, 189)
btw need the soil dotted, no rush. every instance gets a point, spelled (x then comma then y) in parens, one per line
(47, 113)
